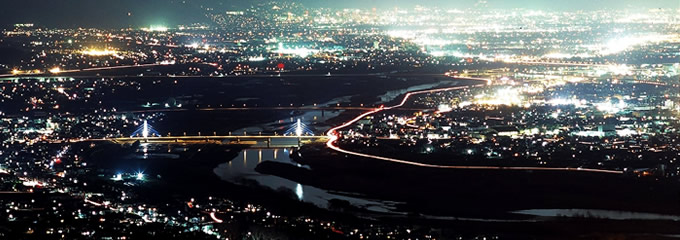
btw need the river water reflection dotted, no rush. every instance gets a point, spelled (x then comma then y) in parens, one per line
(242, 168)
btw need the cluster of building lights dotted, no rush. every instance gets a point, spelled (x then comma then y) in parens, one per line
(156, 28)
(139, 176)
(99, 52)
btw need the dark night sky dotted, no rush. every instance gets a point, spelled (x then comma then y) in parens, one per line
(101, 13)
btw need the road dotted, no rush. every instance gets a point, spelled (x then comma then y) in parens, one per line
(261, 75)
(557, 63)
(333, 138)
(79, 70)
(255, 141)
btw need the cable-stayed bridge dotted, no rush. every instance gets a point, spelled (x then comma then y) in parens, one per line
(296, 135)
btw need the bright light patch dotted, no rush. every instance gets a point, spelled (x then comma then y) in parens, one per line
(31, 183)
(444, 108)
(168, 62)
(214, 218)
(562, 101)
(145, 130)
(505, 96)
(300, 52)
(256, 59)
(626, 132)
(590, 134)
(117, 177)
(609, 107)
(621, 69)
(99, 52)
(558, 55)
(298, 128)
(299, 192)
(156, 28)
(622, 44)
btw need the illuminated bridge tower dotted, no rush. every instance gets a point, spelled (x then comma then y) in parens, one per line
(145, 131)
(299, 129)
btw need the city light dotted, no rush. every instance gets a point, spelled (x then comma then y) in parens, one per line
(300, 52)
(256, 59)
(117, 177)
(356, 97)
(442, 108)
(168, 62)
(618, 45)
(32, 183)
(156, 28)
(562, 101)
(99, 52)
(504, 96)
(610, 107)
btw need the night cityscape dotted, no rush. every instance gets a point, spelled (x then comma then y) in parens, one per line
(301, 119)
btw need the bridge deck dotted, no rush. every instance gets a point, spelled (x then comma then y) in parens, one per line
(222, 137)
(270, 140)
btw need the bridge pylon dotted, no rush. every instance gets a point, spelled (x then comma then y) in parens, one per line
(145, 131)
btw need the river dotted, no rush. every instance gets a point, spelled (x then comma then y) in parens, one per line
(242, 168)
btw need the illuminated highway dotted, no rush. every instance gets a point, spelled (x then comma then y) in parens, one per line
(110, 68)
(264, 75)
(333, 137)
(81, 70)
(561, 63)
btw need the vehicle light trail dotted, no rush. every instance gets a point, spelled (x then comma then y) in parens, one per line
(214, 218)
(93, 202)
(333, 137)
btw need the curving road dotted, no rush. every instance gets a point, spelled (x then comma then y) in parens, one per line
(333, 137)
